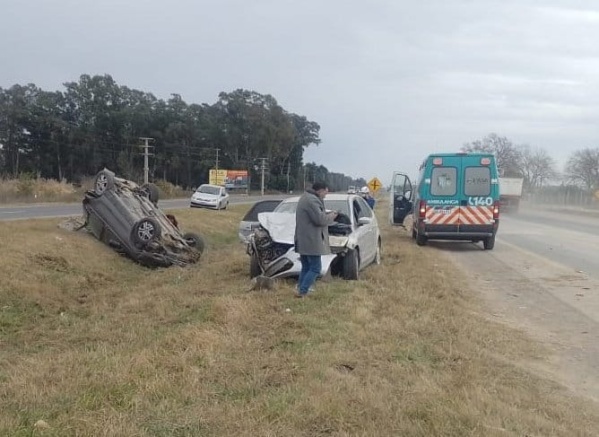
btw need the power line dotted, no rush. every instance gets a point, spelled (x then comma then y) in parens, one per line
(217, 150)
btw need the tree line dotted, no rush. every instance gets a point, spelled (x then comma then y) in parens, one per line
(95, 123)
(537, 167)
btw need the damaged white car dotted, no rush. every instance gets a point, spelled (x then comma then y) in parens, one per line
(354, 238)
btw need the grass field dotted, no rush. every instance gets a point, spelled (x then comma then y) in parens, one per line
(94, 345)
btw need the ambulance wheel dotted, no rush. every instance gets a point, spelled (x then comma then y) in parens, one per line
(413, 232)
(420, 239)
(489, 243)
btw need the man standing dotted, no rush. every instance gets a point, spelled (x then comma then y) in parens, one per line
(365, 193)
(312, 234)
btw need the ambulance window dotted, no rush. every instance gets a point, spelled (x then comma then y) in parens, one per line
(477, 181)
(443, 181)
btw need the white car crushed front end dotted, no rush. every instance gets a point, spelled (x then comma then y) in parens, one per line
(273, 245)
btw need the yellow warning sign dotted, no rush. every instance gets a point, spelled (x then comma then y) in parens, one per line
(374, 184)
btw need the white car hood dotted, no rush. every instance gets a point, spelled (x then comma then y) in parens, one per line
(280, 226)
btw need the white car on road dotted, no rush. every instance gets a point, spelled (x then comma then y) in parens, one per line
(210, 196)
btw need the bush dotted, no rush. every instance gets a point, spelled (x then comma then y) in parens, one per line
(50, 188)
(26, 184)
(169, 190)
(28, 188)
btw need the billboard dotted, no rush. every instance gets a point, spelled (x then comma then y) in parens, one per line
(230, 179)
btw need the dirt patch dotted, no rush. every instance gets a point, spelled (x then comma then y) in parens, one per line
(51, 262)
(72, 224)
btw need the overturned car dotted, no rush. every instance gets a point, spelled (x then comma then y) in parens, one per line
(354, 239)
(126, 216)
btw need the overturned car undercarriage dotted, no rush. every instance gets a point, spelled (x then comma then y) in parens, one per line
(126, 217)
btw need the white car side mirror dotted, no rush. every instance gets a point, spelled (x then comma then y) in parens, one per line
(364, 221)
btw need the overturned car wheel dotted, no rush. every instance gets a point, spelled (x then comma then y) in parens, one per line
(145, 231)
(195, 241)
(104, 182)
(351, 265)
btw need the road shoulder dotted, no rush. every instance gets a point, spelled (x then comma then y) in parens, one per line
(552, 303)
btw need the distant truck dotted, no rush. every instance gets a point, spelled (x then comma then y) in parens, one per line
(351, 190)
(510, 193)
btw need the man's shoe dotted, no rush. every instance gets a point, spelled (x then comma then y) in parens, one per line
(310, 290)
(300, 295)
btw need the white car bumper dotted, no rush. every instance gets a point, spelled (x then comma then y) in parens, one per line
(289, 265)
(203, 204)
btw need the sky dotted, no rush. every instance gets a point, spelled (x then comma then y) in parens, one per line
(388, 81)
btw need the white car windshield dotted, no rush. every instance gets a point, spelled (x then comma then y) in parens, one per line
(205, 189)
(333, 205)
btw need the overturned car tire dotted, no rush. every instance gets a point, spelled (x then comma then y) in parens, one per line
(145, 231)
(103, 182)
(195, 241)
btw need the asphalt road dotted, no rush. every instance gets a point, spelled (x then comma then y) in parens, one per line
(567, 240)
(49, 210)
(543, 278)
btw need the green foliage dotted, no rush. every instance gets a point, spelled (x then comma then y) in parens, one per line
(95, 123)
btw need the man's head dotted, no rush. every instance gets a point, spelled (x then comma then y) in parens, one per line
(321, 189)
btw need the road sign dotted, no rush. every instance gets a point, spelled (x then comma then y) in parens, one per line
(374, 184)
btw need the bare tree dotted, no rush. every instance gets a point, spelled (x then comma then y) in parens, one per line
(506, 154)
(536, 166)
(583, 168)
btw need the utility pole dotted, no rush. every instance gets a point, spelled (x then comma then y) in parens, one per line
(288, 170)
(262, 168)
(304, 178)
(146, 154)
(217, 155)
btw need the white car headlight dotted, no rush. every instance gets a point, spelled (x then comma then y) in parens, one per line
(337, 241)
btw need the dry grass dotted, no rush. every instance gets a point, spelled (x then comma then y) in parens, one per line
(95, 345)
(37, 190)
(28, 189)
